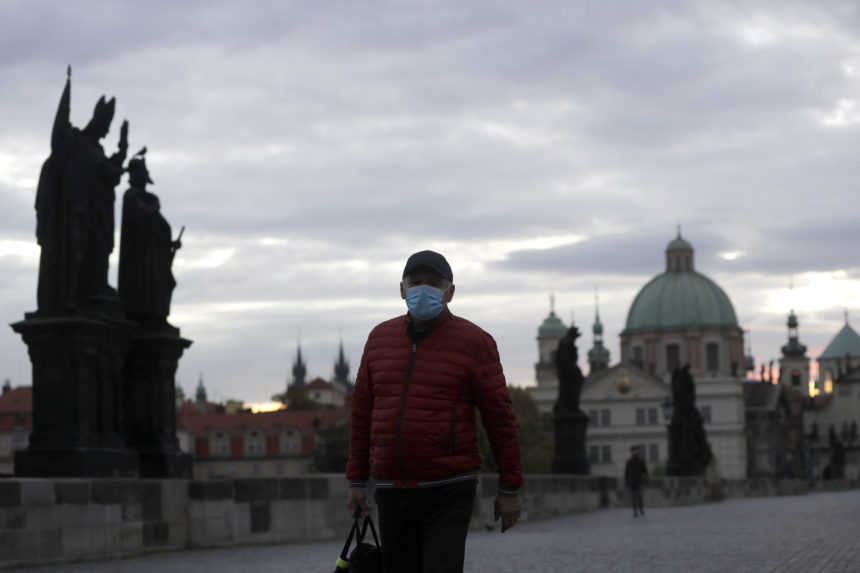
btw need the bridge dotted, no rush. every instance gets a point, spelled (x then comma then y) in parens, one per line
(816, 532)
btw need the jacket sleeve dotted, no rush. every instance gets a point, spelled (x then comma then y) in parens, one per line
(497, 414)
(358, 468)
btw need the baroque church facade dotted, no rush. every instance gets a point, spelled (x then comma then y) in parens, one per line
(683, 317)
(679, 317)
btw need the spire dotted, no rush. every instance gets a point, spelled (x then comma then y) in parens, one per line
(299, 368)
(200, 394)
(341, 367)
(597, 329)
(598, 356)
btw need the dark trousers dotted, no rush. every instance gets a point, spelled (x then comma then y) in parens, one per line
(424, 529)
(638, 504)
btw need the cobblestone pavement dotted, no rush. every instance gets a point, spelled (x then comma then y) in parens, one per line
(813, 533)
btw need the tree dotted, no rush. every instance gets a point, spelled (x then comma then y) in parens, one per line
(331, 452)
(295, 398)
(536, 447)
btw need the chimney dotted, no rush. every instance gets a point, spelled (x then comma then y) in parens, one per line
(7, 385)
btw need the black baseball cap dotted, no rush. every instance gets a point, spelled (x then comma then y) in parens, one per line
(430, 259)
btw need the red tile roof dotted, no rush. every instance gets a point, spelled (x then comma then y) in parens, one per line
(17, 400)
(305, 421)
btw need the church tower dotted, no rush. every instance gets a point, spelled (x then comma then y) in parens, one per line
(794, 364)
(549, 333)
(299, 369)
(598, 356)
(341, 369)
(200, 394)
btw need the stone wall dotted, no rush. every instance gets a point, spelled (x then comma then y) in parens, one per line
(59, 520)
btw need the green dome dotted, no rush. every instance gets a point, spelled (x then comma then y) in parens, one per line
(679, 244)
(680, 299)
(552, 327)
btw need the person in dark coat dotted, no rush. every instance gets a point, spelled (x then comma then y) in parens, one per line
(414, 429)
(635, 476)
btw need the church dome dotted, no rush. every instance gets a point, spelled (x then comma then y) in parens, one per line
(552, 327)
(680, 297)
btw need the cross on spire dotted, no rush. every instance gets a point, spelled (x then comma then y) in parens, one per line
(552, 302)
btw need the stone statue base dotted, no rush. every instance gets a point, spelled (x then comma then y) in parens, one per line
(77, 397)
(570, 455)
(150, 401)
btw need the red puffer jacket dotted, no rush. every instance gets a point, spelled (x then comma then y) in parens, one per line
(413, 408)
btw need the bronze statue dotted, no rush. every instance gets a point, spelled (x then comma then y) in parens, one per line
(570, 377)
(146, 250)
(74, 208)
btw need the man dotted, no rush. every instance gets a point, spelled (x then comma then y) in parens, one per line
(413, 425)
(635, 476)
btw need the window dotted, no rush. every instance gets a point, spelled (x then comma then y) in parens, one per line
(828, 381)
(593, 417)
(712, 357)
(705, 411)
(606, 452)
(673, 357)
(653, 452)
(605, 418)
(594, 454)
(795, 377)
(291, 442)
(220, 444)
(640, 416)
(637, 356)
(652, 416)
(255, 443)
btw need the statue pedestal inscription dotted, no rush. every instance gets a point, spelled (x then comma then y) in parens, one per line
(77, 397)
(150, 400)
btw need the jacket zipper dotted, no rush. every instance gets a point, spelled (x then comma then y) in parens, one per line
(403, 411)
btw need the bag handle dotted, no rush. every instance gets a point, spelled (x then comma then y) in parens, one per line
(352, 533)
(368, 521)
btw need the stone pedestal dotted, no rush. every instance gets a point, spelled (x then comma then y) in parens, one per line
(570, 455)
(150, 401)
(77, 397)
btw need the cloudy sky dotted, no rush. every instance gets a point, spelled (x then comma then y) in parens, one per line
(543, 147)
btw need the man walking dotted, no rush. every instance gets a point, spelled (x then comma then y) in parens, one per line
(635, 476)
(414, 429)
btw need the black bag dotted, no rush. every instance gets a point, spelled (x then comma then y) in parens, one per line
(365, 558)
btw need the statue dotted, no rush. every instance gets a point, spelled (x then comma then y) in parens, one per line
(689, 450)
(569, 422)
(146, 250)
(570, 377)
(74, 208)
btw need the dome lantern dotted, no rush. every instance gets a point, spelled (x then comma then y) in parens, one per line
(679, 254)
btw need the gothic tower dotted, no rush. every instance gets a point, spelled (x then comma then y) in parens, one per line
(341, 369)
(299, 369)
(550, 332)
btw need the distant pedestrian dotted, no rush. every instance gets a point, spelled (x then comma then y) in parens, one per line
(414, 429)
(635, 476)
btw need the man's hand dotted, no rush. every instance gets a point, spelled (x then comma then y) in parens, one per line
(508, 508)
(358, 501)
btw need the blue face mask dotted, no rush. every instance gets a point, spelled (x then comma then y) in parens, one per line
(424, 301)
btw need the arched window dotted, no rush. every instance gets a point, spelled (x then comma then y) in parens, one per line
(673, 357)
(795, 377)
(712, 357)
(828, 381)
